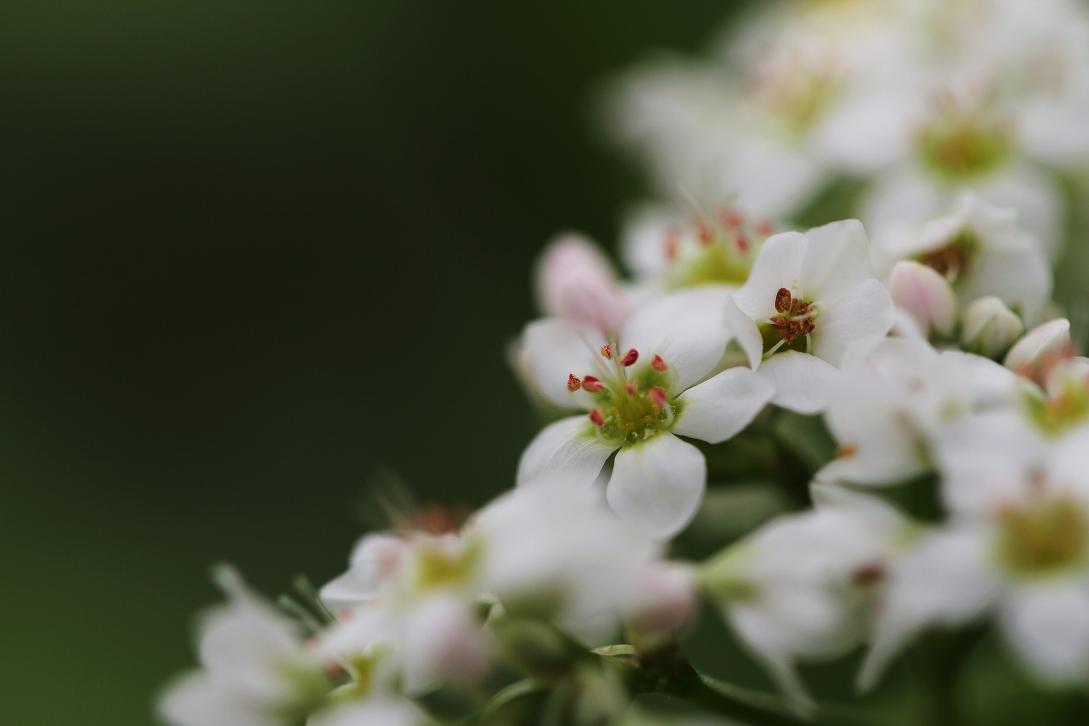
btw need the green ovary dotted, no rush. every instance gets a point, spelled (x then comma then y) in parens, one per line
(718, 262)
(1059, 413)
(633, 417)
(1042, 539)
(437, 567)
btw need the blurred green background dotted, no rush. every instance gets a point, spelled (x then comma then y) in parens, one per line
(255, 252)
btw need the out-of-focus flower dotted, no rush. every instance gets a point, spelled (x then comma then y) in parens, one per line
(809, 296)
(1042, 347)
(670, 251)
(925, 295)
(894, 401)
(575, 281)
(665, 600)
(379, 711)
(990, 328)
(656, 380)
(981, 250)
(1017, 548)
(255, 668)
(1062, 405)
(801, 587)
(555, 551)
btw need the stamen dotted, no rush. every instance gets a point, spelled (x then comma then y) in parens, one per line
(658, 396)
(783, 300)
(742, 242)
(596, 418)
(573, 382)
(672, 244)
(629, 358)
(631, 389)
(608, 350)
(764, 228)
(592, 384)
(732, 218)
(659, 364)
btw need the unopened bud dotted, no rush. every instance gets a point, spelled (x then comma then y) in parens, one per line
(924, 295)
(1042, 347)
(576, 281)
(990, 327)
(666, 599)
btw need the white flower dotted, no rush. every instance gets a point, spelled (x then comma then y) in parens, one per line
(656, 380)
(809, 296)
(981, 250)
(255, 669)
(894, 401)
(1061, 406)
(556, 551)
(1034, 355)
(1017, 548)
(990, 328)
(669, 251)
(575, 280)
(801, 586)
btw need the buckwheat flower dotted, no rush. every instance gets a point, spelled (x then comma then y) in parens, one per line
(669, 251)
(255, 670)
(1017, 550)
(557, 552)
(981, 250)
(895, 399)
(575, 280)
(801, 587)
(809, 296)
(656, 381)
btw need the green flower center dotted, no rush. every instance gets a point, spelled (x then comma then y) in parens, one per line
(1056, 413)
(953, 259)
(792, 325)
(1044, 538)
(963, 144)
(440, 565)
(718, 249)
(799, 97)
(629, 404)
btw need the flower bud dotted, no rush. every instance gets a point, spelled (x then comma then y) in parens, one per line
(576, 281)
(990, 327)
(924, 295)
(1041, 348)
(665, 601)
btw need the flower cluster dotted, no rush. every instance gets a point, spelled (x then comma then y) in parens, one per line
(903, 383)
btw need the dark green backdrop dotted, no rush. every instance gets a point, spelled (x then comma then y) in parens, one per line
(254, 251)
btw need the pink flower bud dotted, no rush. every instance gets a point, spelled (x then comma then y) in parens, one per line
(990, 327)
(924, 295)
(576, 281)
(666, 601)
(1042, 347)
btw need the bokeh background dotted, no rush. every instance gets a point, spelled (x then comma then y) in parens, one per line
(257, 253)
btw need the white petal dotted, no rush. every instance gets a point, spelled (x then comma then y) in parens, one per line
(803, 383)
(865, 312)
(721, 407)
(837, 260)
(946, 580)
(566, 449)
(658, 485)
(779, 264)
(1048, 625)
(686, 329)
(742, 329)
(554, 348)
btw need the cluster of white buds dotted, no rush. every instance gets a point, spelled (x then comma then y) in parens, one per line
(927, 458)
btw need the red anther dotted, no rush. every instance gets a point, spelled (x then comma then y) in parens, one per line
(630, 388)
(573, 382)
(672, 244)
(869, 574)
(732, 217)
(742, 242)
(847, 450)
(608, 350)
(629, 358)
(591, 384)
(658, 396)
(703, 231)
(764, 227)
(783, 300)
(659, 364)
(597, 418)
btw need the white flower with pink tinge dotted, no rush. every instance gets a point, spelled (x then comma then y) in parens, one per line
(658, 379)
(808, 298)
